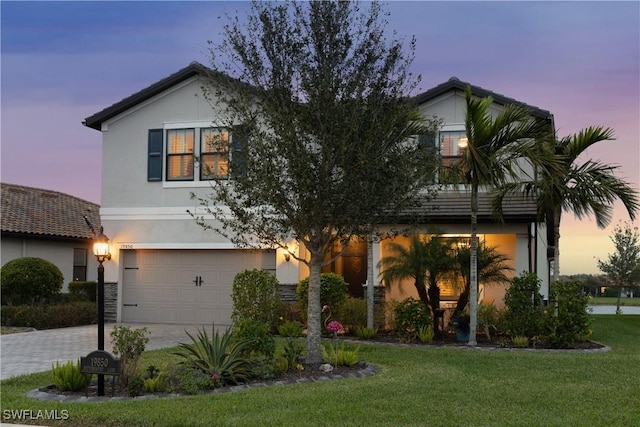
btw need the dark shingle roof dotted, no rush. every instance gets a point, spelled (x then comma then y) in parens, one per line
(455, 207)
(39, 212)
(456, 84)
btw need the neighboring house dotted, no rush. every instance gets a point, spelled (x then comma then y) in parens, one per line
(169, 269)
(50, 225)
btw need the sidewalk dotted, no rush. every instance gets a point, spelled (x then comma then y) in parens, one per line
(29, 352)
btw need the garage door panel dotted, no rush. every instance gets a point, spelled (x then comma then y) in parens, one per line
(158, 285)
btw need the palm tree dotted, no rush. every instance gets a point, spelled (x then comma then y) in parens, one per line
(426, 261)
(584, 188)
(492, 268)
(405, 263)
(494, 146)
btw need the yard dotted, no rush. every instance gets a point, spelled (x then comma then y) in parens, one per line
(413, 386)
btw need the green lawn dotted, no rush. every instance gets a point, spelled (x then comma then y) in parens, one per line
(414, 386)
(613, 300)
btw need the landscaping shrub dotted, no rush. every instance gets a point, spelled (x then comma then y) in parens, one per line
(488, 319)
(411, 315)
(180, 378)
(365, 333)
(255, 296)
(292, 352)
(333, 291)
(129, 344)
(258, 340)
(525, 315)
(68, 377)
(520, 341)
(523, 302)
(352, 314)
(72, 314)
(219, 357)
(425, 334)
(83, 290)
(291, 311)
(338, 356)
(49, 316)
(290, 329)
(30, 281)
(573, 323)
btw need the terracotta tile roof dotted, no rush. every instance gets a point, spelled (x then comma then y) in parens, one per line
(28, 210)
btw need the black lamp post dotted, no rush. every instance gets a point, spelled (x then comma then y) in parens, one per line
(101, 251)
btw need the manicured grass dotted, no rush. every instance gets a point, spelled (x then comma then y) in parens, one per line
(413, 386)
(613, 300)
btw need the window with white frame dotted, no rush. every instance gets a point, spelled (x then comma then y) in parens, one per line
(214, 153)
(180, 155)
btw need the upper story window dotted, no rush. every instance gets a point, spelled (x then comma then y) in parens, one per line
(180, 154)
(452, 143)
(195, 151)
(452, 146)
(214, 153)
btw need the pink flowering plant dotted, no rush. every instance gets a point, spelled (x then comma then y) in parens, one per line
(334, 327)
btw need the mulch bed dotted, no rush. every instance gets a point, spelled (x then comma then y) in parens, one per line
(313, 373)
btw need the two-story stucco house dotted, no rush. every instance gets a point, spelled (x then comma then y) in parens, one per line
(168, 269)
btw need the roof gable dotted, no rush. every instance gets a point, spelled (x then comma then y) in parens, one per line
(95, 121)
(455, 84)
(39, 212)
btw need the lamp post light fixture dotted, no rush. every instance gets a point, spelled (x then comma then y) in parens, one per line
(102, 254)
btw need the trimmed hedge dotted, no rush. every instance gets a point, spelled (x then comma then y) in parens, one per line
(83, 291)
(50, 316)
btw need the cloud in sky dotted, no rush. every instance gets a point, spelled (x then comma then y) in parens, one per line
(64, 61)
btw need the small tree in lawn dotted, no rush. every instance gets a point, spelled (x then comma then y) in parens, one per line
(323, 132)
(623, 267)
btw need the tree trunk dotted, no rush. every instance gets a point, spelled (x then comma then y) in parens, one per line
(314, 331)
(618, 302)
(556, 253)
(370, 285)
(463, 300)
(473, 273)
(434, 302)
(422, 292)
(556, 241)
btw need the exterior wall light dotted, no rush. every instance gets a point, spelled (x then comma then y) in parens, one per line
(287, 254)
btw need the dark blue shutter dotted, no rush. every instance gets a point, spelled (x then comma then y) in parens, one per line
(427, 142)
(239, 139)
(154, 165)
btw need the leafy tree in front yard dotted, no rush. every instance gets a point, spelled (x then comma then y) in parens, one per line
(623, 266)
(323, 131)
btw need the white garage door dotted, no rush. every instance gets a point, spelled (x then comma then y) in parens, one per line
(184, 286)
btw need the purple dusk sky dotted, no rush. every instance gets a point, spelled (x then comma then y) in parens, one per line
(64, 61)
